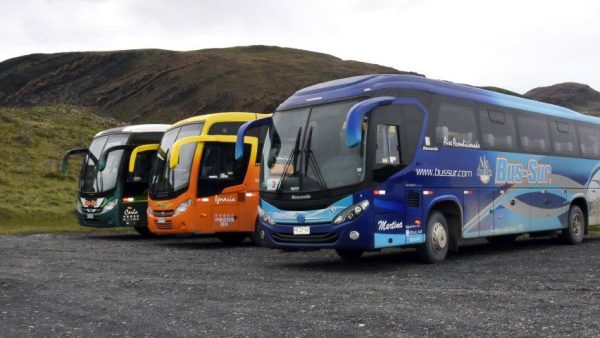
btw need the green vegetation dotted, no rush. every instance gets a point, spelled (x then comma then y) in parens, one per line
(34, 195)
(594, 230)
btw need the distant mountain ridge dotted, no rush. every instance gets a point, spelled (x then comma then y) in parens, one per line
(577, 96)
(154, 85)
(166, 86)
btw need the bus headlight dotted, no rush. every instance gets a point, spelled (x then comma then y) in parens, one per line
(111, 205)
(351, 213)
(150, 211)
(183, 206)
(265, 216)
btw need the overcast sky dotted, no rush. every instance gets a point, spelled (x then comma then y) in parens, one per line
(515, 44)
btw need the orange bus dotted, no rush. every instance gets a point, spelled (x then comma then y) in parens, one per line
(197, 186)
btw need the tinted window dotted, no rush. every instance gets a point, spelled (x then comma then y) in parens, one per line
(534, 136)
(589, 140)
(456, 125)
(225, 128)
(387, 150)
(564, 140)
(497, 129)
(219, 169)
(136, 183)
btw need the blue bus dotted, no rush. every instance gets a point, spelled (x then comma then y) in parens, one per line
(379, 161)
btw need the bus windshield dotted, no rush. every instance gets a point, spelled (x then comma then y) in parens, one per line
(94, 181)
(166, 182)
(306, 151)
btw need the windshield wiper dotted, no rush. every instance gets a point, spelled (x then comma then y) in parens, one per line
(311, 159)
(292, 158)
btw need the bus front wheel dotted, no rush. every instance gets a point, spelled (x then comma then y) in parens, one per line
(144, 231)
(349, 255)
(435, 248)
(575, 230)
(257, 235)
(233, 238)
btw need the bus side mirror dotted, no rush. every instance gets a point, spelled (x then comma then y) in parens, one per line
(104, 155)
(140, 149)
(176, 148)
(239, 142)
(75, 151)
(356, 116)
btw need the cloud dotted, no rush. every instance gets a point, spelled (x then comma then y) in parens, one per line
(513, 44)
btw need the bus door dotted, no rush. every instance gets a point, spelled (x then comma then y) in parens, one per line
(392, 139)
(228, 181)
(222, 184)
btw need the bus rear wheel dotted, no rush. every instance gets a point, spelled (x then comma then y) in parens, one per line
(144, 231)
(349, 255)
(436, 245)
(575, 230)
(233, 238)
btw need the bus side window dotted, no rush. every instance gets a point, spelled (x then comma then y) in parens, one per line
(589, 141)
(497, 129)
(456, 125)
(534, 136)
(388, 152)
(563, 138)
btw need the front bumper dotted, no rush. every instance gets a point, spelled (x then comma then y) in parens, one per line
(322, 236)
(104, 219)
(132, 214)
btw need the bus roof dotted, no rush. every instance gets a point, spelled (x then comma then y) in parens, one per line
(138, 128)
(361, 85)
(220, 117)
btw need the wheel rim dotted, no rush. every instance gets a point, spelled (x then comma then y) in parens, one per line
(577, 225)
(439, 237)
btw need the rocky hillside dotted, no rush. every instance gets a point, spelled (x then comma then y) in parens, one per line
(577, 96)
(166, 86)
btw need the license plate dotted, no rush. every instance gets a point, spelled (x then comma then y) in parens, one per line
(301, 230)
(161, 220)
(90, 216)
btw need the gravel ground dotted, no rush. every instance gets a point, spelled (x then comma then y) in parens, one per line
(123, 285)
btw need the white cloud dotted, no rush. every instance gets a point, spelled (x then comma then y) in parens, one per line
(513, 44)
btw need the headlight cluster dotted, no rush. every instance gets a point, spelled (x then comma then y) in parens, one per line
(265, 217)
(350, 213)
(150, 211)
(183, 207)
(111, 205)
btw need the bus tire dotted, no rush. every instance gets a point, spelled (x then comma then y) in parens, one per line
(437, 240)
(143, 231)
(232, 238)
(502, 240)
(255, 236)
(349, 255)
(575, 230)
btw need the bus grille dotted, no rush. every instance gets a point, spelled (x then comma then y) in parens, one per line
(313, 238)
(167, 225)
(413, 200)
(163, 213)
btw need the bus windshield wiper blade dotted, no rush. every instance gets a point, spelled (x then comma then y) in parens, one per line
(311, 160)
(292, 158)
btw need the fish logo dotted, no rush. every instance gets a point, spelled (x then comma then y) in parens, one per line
(483, 170)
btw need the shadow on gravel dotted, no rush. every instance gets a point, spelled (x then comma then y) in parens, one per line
(133, 237)
(406, 258)
(215, 244)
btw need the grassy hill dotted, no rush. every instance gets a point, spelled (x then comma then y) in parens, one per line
(577, 96)
(34, 195)
(166, 86)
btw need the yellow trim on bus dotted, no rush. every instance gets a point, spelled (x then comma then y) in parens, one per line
(140, 149)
